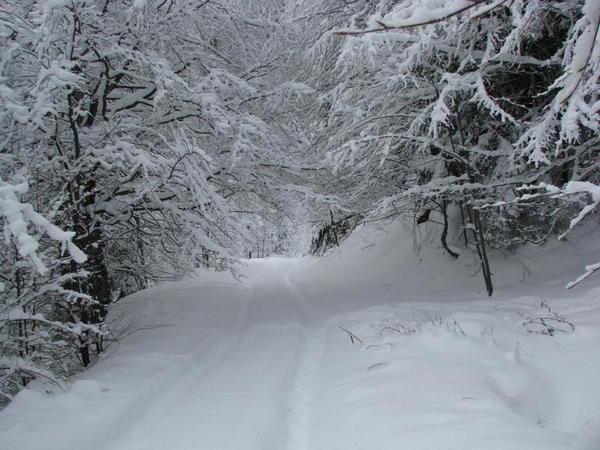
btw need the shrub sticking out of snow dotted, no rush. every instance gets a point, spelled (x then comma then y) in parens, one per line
(548, 322)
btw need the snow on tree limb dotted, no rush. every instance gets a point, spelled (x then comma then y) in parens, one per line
(575, 102)
(19, 216)
(589, 270)
(571, 188)
(415, 15)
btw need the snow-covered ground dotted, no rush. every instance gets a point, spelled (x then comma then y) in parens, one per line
(372, 347)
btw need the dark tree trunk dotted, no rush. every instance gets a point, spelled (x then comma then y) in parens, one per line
(485, 263)
(88, 237)
(335, 236)
(444, 237)
(142, 280)
(84, 352)
(464, 225)
(478, 237)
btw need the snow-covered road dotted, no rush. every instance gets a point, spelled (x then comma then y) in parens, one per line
(250, 391)
(268, 364)
(221, 365)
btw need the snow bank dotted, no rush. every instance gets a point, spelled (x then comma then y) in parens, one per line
(372, 347)
(389, 263)
(438, 365)
(469, 376)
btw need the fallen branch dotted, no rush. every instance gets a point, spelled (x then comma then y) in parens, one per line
(352, 336)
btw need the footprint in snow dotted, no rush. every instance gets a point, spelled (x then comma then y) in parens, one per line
(377, 366)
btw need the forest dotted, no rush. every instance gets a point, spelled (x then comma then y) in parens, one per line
(147, 141)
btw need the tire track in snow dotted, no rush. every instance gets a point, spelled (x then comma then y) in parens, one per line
(301, 397)
(232, 378)
(283, 424)
(142, 414)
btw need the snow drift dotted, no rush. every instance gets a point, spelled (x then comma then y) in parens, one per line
(373, 346)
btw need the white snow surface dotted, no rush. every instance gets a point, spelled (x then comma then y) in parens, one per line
(373, 347)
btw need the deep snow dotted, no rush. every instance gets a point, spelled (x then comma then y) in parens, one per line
(372, 347)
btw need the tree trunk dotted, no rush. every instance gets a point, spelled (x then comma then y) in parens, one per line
(88, 237)
(84, 351)
(335, 236)
(478, 237)
(444, 237)
(464, 225)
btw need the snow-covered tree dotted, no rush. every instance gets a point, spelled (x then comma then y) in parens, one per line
(451, 106)
(160, 133)
(155, 122)
(46, 327)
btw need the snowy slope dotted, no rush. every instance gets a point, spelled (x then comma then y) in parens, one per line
(371, 347)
